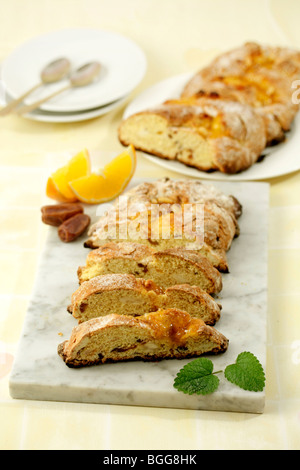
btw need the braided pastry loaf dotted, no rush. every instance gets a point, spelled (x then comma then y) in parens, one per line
(204, 133)
(227, 113)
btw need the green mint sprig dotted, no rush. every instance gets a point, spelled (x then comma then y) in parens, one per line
(197, 377)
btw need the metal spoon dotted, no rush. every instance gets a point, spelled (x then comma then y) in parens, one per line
(83, 76)
(53, 72)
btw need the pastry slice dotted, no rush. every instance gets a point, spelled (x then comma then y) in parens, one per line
(166, 268)
(216, 256)
(124, 294)
(164, 334)
(206, 134)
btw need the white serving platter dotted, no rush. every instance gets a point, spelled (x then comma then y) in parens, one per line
(40, 374)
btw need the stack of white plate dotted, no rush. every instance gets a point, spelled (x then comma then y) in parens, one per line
(123, 66)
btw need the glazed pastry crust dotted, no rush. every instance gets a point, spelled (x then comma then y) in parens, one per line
(260, 76)
(277, 63)
(164, 334)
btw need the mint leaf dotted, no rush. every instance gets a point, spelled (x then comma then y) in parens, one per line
(247, 373)
(197, 377)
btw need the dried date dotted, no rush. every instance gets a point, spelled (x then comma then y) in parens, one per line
(73, 227)
(56, 214)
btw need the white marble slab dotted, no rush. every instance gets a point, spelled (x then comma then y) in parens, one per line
(40, 374)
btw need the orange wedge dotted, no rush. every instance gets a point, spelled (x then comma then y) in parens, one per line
(53, 193)
(109, 183)
(58, 184)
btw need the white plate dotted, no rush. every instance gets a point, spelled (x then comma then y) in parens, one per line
(123, 67)
(47, 116)
(279, 160)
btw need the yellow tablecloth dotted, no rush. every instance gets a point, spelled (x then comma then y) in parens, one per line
(177, 36)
